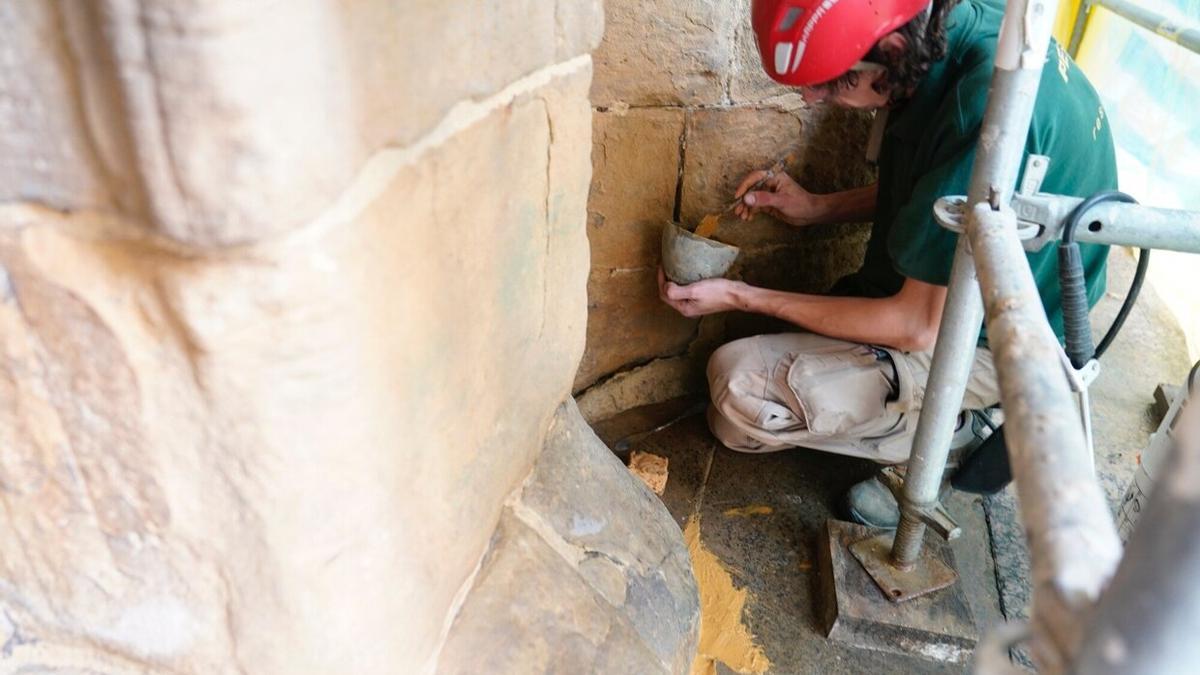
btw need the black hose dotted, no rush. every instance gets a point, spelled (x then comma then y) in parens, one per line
(1076, 326)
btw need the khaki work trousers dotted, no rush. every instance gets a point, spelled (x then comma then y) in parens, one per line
(772, 392)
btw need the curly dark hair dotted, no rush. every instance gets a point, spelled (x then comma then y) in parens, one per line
(925, 36)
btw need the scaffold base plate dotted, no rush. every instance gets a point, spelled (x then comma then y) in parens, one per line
(927, 575)
(937, 625)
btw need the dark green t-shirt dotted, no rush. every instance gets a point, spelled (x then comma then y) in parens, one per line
(929, 148)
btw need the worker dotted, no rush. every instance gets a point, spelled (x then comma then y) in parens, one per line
(852, 381)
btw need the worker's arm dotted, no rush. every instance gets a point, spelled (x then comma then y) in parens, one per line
(783, 198)
(907, 321)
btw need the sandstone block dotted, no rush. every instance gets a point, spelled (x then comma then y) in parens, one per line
(531, 612)
(628, 324)
(579, 27)
(663, 52)
(587, 573)
(46, 153)
(810, 264)
(216, 463)
(723, 145)
(635, 160)
(749, 83)
(224, 123)
(658, 381)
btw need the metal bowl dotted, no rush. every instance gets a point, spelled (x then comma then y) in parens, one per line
(687, 258)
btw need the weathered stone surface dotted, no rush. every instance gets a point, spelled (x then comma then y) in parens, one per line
(592, 501)
(635, 169)
(808, 263)
(635, 172)
(587, 573)
(723, 145)
(628, 323)
(46, 154)
(749, 83)
(531, 612)
(288, 458)
(152, 106)
(658, 381)
(579, 26)
(660, 52)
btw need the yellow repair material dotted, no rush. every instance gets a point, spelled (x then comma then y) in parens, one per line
(723, 636)
(708, 225)
(747, 511)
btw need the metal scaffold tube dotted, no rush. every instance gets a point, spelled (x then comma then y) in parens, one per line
(1024, 38)
(1112, 223)
(1073, 542)
(1184, 34)
(953, 355)
(1147, 620)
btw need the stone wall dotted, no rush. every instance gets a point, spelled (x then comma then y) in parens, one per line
(682, 111)
(289, 296)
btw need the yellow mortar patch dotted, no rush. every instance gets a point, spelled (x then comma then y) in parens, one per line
(747, 511)
(708, 225)
(723, 636)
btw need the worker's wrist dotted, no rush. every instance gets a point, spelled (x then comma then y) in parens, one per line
(826, 207)
(743, 297)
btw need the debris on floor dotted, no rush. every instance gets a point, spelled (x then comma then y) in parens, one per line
(651, 469)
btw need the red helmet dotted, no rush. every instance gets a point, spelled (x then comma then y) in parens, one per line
(807, 42)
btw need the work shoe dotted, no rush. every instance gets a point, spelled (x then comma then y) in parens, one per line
(871, 503)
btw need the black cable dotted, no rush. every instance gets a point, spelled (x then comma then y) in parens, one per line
(1076, 214)
(1076, 326)
(1135, 287)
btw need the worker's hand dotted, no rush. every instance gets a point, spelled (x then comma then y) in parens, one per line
(780, 197)
(702, 297)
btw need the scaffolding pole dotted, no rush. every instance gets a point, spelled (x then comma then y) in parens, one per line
(1147, 620)
(1073, 542)
(1186, 35)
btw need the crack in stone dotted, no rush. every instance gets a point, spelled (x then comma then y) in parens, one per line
(548, 223)
(683, 137)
